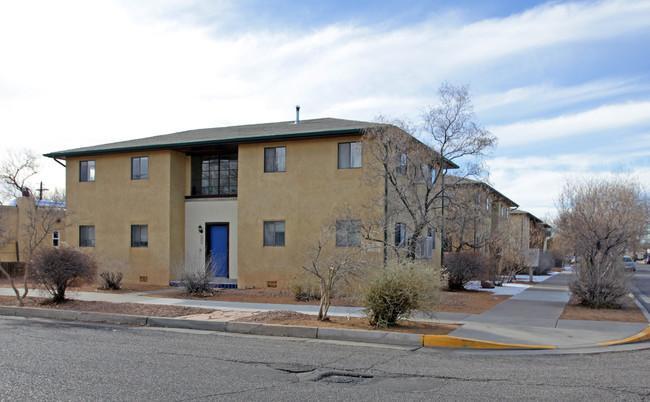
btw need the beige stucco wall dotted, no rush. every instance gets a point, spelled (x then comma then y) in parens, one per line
(114, 202)
(15, 221)
(202, 211)
(306, 196)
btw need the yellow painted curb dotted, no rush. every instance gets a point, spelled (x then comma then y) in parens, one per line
(641, 336)
(448, 341)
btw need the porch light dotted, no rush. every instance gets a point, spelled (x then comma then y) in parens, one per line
(200, 229)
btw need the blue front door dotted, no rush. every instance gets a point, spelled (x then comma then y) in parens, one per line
(219, 249)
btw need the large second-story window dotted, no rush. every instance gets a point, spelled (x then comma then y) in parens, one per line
(349, 155)
(87, 171)
(214, 174)
(140, 168)
(275, 159)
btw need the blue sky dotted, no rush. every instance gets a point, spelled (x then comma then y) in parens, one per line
(565, 86)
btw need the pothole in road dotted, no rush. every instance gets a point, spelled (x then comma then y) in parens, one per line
(336, 377)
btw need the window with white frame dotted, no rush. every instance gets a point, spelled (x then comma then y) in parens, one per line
(56, 238)
(348, 233)
(86, 171)
(349, 155)
(87, 236)
(275, 159)
(139, 235)
(140, 168)
(274, 233)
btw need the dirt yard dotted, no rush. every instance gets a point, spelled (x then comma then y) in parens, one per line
(629, 312)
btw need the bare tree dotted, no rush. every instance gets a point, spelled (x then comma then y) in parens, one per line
(15, 170)
(335, 257)
(413, 170)
(600, 218)
(44, 218)
(467, 218)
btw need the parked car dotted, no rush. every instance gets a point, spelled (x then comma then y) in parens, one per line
(629, 264)
(647, 260)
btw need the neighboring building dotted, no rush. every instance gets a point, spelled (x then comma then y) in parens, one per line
(530, 234)
(27, 224)
(251, 196)
(477, 214)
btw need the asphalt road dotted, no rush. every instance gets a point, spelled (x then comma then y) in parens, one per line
(641, 280)
(47, 360)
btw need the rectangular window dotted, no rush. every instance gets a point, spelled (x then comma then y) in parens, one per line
(87, 236)
(348, 233)
(274, 234)
(214, 175)
(401, 164)
(140, 168)
(275, 159)
(87, 171)
(349, 155)
(400, 234)
(139, 235)
(56, 238)
(432, 235)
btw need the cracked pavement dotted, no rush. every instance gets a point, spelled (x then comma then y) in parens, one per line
(49, 360)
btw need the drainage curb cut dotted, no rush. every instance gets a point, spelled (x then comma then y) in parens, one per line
(640, 337)
(448, 341)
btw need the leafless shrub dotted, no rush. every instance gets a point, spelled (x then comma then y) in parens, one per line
(399, 289)
(599, 219)
(59, 268)
(461, 268)
(196, 276)
(111, 280)
(304, 290)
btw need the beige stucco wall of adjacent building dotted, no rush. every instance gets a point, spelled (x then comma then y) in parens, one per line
(309, 194)
(114, 202)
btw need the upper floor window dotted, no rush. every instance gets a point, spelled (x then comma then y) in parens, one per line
(87, 171)
(140, 168)
(214, 174)
(348, 233)
(400, 234)
(275, 159)
(401, 163)
(56, 238)
(139, 235)
(274, 234)
(349, 155)
(87, 236)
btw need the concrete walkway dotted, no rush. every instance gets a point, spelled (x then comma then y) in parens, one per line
(531, 317)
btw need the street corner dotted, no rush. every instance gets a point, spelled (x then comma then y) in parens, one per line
(448, 341)
(640, 337)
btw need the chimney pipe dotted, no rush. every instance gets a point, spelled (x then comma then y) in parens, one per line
(297, 114)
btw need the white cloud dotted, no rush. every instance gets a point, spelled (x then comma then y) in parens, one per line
(610, 117)
(82, 73)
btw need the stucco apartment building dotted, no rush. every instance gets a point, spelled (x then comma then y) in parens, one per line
(251, 196)
(28, 224)
(476, 213)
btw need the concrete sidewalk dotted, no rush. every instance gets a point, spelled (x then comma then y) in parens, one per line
(531, 317)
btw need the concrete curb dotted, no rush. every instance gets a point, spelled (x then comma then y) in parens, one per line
(324, 333)
(640, 337)
(448, 341)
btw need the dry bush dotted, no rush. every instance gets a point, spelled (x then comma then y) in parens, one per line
(59, 268)
(599, 220)
(461, 268)
(305, 290)
(111, 280)
(196, 276)
(398, 289)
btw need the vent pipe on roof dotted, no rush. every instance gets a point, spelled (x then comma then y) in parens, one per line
(297, 114)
